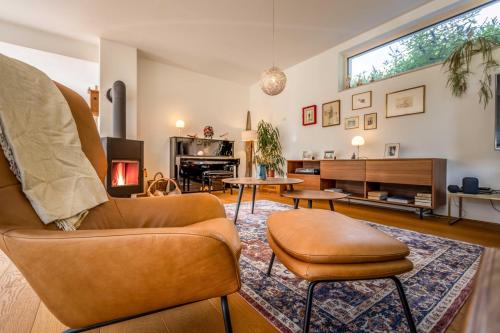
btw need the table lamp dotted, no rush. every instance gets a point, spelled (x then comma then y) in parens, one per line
(180, 125)
(358, 141)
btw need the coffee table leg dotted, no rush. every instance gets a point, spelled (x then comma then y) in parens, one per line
(309, 204)
(332, 208)
(240, 194)
(296, 203)
(254, 189)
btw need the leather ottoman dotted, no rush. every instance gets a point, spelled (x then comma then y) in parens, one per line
(324, 246)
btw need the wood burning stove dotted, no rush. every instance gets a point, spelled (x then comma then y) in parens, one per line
(125, 175)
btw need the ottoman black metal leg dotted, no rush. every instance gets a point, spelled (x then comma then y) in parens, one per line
(254, 189)
(240, 194)
(270, 264)
(404, 302)
(332, 208)
(309, 204)
(296, 203)
(307, 315)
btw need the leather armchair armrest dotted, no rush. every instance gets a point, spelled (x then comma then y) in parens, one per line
(91, 276)
(170, 211)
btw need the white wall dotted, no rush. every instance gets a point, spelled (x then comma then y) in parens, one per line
(457, 129)
(74, 73)
(46, 41)
(168, 93)
(117, 62)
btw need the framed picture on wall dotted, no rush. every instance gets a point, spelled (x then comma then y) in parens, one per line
(330, 114)
(370, 121)
(405, 102)
(309, 115)
(391, 150)
(351, 122)
(362, 100)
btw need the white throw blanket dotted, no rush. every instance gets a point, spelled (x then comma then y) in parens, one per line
(39, 138)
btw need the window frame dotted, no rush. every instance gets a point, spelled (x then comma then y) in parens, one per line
(403, 33)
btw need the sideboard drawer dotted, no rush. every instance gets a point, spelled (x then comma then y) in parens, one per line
(413, 172)
(343, 170)
(311, 182)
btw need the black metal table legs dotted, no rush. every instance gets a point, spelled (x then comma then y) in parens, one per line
(309, 204)
(254, 189)
(240, 194)
(296, 203)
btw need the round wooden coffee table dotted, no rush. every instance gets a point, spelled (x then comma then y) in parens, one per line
(250, 181)
(311, 195)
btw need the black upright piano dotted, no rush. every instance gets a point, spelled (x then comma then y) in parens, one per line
(193, 162)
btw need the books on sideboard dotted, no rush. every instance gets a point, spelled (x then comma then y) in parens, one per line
(412, 182)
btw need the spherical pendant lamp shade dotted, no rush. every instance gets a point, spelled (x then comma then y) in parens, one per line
(273, 81)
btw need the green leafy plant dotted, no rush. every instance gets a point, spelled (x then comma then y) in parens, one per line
(431, 46)
(458, 66)
(269, 151)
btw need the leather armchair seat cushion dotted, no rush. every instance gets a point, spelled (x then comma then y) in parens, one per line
(325, 237)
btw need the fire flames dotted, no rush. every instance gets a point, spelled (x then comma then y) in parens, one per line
(125, 173)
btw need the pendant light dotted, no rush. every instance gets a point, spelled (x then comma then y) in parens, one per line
(273, 80)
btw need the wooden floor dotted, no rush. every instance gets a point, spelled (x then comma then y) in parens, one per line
(21, 310)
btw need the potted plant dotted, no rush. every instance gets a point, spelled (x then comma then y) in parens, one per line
(458, 65)
(269, 155)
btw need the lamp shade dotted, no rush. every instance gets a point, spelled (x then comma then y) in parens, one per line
(180, 124)
(248, 136)
(273, 81)
(358, 141)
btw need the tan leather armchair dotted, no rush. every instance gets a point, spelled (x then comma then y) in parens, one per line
(130, 257)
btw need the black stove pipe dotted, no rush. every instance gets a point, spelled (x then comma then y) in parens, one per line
(118, 96)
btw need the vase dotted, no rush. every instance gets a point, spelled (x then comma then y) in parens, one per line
(271, 173)
(261, 172)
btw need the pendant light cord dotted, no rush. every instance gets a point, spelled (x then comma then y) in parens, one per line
(274, 55)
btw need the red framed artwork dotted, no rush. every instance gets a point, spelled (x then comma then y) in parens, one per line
(309, 115)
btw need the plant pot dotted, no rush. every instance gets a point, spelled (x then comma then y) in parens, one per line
(270, 173)
(260, 171)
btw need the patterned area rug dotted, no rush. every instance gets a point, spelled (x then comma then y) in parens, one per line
(436, 288)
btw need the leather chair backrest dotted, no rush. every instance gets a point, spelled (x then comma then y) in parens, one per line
(15, 209)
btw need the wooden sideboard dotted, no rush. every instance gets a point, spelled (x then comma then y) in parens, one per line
(404, 177)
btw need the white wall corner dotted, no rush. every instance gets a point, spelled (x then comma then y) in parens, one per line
(46, 41)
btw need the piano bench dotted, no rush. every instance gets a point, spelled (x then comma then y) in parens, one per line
(217, 175)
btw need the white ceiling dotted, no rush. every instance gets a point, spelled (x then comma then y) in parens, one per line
(230, 39)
